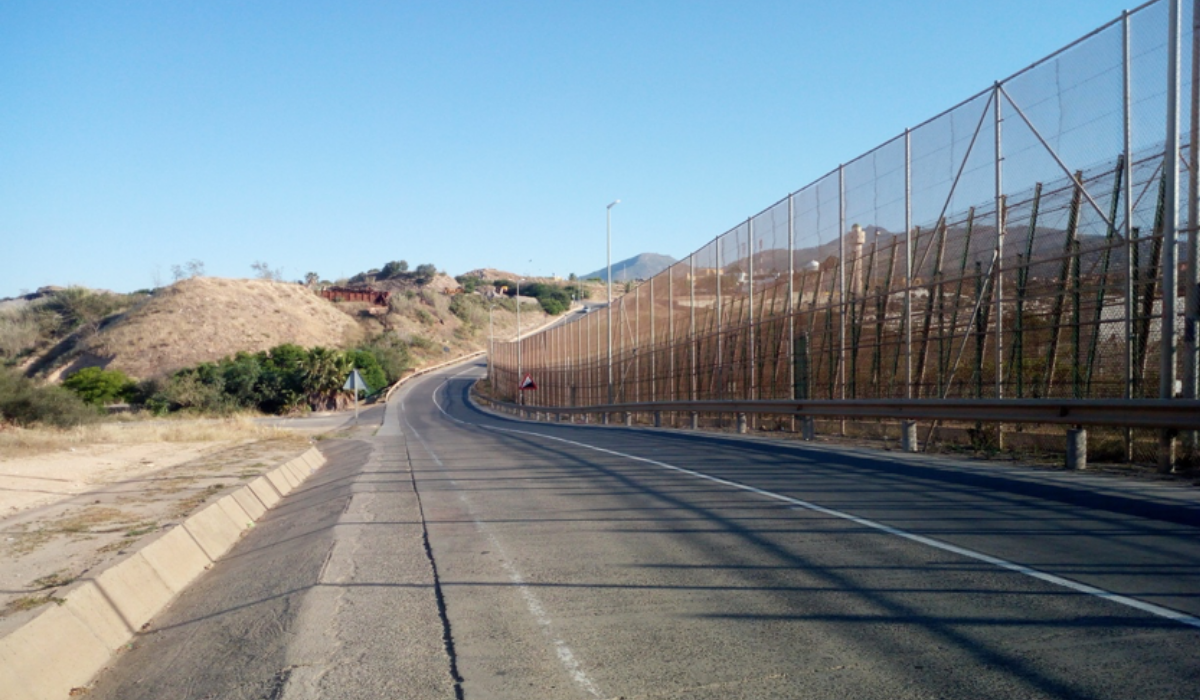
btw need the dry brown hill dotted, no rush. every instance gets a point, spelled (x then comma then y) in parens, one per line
(206, 318)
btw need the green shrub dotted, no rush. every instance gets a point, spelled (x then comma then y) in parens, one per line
(25, 403)
(100, 387)
(391, 354)
(196, 388)
(425, 272)
(553, 299)
(469, 308)
(368, 367)
(469, 282)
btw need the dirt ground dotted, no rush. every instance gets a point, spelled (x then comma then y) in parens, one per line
(70, 511)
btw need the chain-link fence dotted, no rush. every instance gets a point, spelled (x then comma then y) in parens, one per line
(1028, 243)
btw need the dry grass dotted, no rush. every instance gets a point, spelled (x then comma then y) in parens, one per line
(83, 522)
(29, 602)
(86, 519)
(26, 442)
(54, 580)
(207, 318)
(184, 508)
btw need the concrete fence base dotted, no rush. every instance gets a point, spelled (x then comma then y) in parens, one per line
(67, 644)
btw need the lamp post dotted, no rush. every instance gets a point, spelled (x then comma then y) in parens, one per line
(520, 378)
(608, 227)
(491, 340)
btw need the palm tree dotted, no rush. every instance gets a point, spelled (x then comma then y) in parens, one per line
(324, 373)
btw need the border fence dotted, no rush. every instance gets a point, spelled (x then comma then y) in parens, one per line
(1036, 242)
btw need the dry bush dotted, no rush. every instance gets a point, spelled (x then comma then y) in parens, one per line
(401, 304)
(19, 332)
(440, 302)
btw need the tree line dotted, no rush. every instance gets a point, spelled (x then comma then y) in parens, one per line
(285, 379)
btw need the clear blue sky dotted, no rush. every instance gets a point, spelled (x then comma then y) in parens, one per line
(335, 136)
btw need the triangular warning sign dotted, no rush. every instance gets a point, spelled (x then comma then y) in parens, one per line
(355, 381)
(527, 383)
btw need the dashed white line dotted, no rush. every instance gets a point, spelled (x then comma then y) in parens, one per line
(1150, 608)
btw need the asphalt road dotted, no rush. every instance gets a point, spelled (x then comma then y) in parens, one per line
(459, 553)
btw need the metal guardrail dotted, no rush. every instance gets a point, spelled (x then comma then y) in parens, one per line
(1175, 414)
(426, 370)
(459, 360)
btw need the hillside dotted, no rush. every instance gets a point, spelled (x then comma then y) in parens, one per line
(639, 267)
(206, 318)
(151, 334)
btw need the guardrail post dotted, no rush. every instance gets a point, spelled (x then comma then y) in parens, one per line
(695, 421)
(629, 418)
(808, 428)
(741, 423)
(658, 419)
(1077, 449)
(908, 438)
(605, 420)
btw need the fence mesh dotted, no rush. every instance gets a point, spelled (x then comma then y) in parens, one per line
(1015, 246)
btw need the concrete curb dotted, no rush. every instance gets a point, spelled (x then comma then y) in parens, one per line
(69, 643)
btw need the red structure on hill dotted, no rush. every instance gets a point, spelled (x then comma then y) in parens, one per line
(370, 296)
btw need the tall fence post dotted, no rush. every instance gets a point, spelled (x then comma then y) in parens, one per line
(637, 343)
(674, 393)
(653, 348)
(692, 344)
(1130, 244)
(791, 304)
(751, 335)
(1191, 347)
(1170, 232)
(998, 288)
(908, 265)
(840, 371)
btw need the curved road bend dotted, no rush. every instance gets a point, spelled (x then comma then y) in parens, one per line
(459, 553)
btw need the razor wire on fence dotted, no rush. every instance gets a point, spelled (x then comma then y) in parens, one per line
(1036, 241)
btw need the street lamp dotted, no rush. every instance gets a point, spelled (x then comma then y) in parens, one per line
(491, 339)
(520, 378)
(608, 226)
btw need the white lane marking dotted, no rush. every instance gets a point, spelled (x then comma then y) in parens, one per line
(565, 656)
(1151, 608)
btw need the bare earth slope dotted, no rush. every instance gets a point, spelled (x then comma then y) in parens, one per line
(206, 318)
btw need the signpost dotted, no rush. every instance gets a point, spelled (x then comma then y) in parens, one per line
(355, 383)
(527, 383)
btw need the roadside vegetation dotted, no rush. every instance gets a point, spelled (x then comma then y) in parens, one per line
(285, 379)
(53, 324)
(24, 403)
(217, 347)
(553, 298)
(19, 442)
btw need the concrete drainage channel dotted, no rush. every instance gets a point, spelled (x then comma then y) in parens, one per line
(69, 643)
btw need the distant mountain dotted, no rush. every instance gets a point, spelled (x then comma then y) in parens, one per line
(639, 267)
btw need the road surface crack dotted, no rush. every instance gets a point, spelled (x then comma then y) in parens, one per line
(447, 636)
